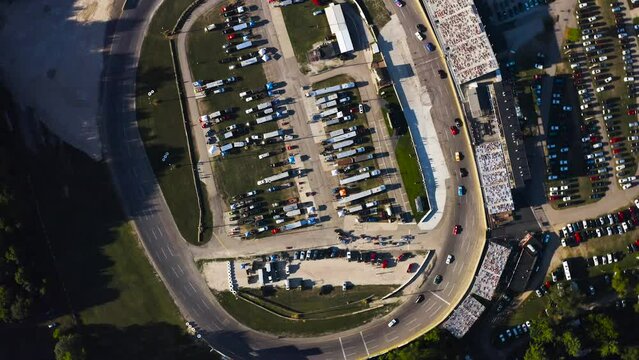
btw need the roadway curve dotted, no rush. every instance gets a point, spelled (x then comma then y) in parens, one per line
(169, 253)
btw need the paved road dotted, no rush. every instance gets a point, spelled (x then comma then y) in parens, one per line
(169, 253)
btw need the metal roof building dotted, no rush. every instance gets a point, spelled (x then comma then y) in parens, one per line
(337, 23)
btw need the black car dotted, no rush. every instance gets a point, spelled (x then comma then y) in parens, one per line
(458, 122)
(421, 28)
(419, 299)
(442, 74)
(438, 279)
(225, 60)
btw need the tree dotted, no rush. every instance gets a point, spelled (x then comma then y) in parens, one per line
(601, 328)
(70, 347)
(541, 332)
(20, 308)
(571, 343)
(609, 348)
(6, 298)
(564, 303)
(630, 353)
(620, 282)
(535, 351)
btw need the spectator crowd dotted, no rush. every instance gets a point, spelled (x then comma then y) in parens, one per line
(494, 177)
(490, 271)
(463, 318)
(470, 54)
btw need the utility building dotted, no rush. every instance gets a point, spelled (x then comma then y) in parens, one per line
(337, 23)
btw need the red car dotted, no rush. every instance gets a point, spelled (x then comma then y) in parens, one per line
(373, 256)
(410, 266)
(615, 139)
(456, 229)
(402, 257)
(205, 125)
(621, 215)
(231, 36)
(616, 151)
(632, 112)
(594, 139)
(555, 197)
(578, 237)
(385, 264)
(594, 178)
(454, 130)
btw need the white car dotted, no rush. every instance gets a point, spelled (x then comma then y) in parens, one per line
(633, 138)
(626, 186)
(633, 124)
(583, 107)
(585, 37)
(565, 187)
(603, 58)
(599, 233)
(582, 91)
(592, 18)
(628, 79)
(620, 161)
(566, 198)
(624, 225)
(419, 36)
(583, 5)
(587, 43)
(449, 259)
(637, 203)
(600, 89)
(597, 36)
(594, 72)
(620, 167)
(607, 117)
(554, 188)
(392, 323)
(608, 79)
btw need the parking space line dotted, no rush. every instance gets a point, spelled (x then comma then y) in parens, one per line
(175, 272)
(440, 298)
(392, 339)
(412, 328)
(365, 346)
(154, 235)
(342, 346)
(164, 253)
(180, 268)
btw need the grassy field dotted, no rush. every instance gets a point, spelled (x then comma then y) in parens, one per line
(304, 29)
(230, 178)
(411, 173)
(124, 309)
(258, 319)
(160, 123)
(573, 34)
(377, 12)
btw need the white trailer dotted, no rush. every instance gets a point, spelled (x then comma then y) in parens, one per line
(214, 84)
(265, 119)
(354, 209)
(272, 134)
(328, 112)
(290, 207)
(264, 105)
(343, 144)
(342, 137)
(330, 89)
(294, 213)
(326, 99)
(277, 177)
(361, 195)
(337, 132)
(250, 61)
(360, 177)
(244, 45)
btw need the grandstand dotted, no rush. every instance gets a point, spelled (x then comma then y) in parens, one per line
(463, 318)
(494, 177)
(490, 271)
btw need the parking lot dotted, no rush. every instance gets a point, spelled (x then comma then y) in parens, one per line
(322, 270)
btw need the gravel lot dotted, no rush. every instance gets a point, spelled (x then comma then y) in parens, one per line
(321, 272)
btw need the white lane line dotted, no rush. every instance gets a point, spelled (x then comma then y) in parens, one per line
(160, 230)
(412, 328)
(192, 287)
(204, 302)
(170, 251)
(154, 235)
(342, 346)
(430, 307)
(392, 339)
(412, 321)
(175, 272)
(164, 253)
(440, 298)
(365, 346)
(446, 285)
(180, 268)
(450, 291)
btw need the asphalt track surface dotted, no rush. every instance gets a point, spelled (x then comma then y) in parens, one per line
(143, 201)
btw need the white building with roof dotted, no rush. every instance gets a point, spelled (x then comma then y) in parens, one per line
(337, 23)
